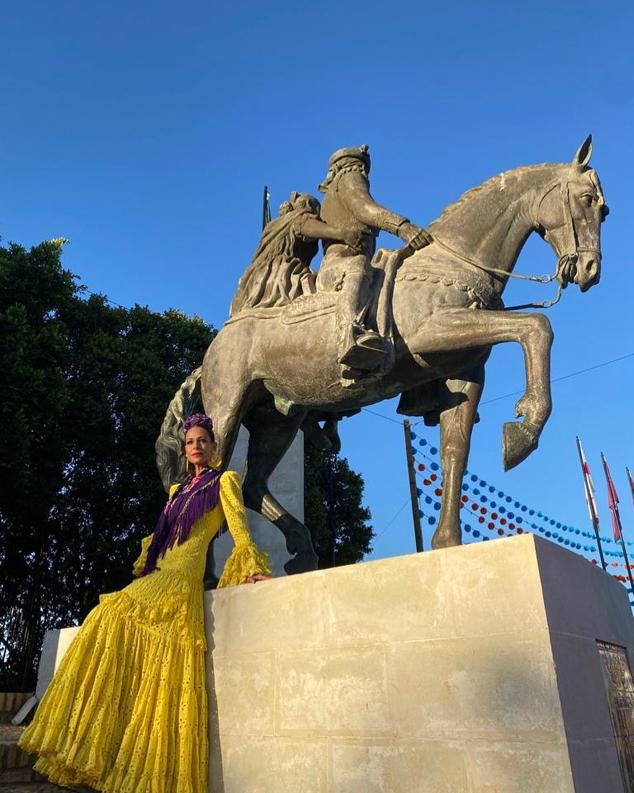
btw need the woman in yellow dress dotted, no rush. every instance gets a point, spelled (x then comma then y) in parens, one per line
(127, 709)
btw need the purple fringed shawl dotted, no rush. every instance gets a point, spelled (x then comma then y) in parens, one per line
(180, 513)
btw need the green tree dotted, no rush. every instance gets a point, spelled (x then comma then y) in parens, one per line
(333, 508)
(34, 396)
(84, 389)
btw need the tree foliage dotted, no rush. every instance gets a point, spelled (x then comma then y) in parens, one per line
(85, 386)
(333, 508)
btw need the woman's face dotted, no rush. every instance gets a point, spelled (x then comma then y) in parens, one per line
(198, 446)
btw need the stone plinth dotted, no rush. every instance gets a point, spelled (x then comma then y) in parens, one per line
(466, 670)
(287, 485)
(54, 647)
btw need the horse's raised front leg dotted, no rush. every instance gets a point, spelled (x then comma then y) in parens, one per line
(462, 329)
(456, 422)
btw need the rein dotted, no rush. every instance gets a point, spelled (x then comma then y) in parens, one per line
(540, 279)
(564, 258)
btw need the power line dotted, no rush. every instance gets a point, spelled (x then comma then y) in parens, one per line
(389, 418)
(564, 377)
(515, 393)
(103, 297)
(394, 517)
(382, 416)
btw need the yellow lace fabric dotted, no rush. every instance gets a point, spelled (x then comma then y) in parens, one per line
(127, 709)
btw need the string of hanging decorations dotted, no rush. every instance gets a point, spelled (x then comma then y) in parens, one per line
(494, 513)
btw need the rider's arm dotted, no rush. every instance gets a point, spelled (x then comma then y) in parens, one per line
(353, 188)
(354, 191)
(315, 229)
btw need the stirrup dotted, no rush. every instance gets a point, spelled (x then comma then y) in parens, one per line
(367, 352)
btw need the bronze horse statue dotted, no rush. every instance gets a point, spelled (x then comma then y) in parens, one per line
(274, 370)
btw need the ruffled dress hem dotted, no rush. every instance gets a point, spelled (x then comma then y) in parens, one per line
(119, 680)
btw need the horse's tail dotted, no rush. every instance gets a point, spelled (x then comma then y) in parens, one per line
(169, 444)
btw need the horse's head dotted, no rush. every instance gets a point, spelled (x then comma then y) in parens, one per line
(569, 217)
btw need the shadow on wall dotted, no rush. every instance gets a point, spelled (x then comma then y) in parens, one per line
(216, 773)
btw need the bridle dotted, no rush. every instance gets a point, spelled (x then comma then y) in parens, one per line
(567, 260)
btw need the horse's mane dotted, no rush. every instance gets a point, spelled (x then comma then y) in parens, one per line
(494, 182)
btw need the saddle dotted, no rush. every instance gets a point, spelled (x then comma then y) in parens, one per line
(320, 304)
(301, 309)
(309, 307)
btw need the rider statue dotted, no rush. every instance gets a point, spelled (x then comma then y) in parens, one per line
(280, 269)
(346, 269)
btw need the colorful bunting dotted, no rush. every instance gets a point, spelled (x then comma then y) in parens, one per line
(507, 516)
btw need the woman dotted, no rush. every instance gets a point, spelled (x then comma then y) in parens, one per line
(127, 710)
(280, 270)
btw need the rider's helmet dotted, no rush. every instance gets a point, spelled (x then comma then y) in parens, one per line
(349, 158)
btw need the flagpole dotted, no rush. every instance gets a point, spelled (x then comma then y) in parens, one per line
(631, 481)
(418, 534)
(266, 207)
(588, 488)
(613, 501)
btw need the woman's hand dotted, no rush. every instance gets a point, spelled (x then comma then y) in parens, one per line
(253, 579)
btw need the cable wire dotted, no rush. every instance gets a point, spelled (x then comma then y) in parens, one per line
(391, 521)
(564, 377)
(515, 393)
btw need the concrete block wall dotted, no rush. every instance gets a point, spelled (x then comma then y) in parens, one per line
(432, 672)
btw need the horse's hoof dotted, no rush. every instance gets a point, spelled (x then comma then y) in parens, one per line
(301, 563)
(519, 439)
(446, 540)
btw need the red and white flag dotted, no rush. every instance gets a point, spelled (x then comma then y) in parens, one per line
(613, 501)
(631, 481)
(588, 487)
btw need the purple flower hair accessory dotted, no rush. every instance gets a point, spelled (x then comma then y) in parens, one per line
(199, 420)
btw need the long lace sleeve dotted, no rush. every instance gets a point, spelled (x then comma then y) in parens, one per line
(137, 567)
(245, 559)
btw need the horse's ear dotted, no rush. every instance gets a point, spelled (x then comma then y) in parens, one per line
(584, 152)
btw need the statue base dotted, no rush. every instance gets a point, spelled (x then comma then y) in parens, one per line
(498, 667)
(487, 668)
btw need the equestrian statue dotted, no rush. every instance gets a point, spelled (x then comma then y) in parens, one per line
(304, 349)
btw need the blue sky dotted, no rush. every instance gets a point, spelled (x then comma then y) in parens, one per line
(144, 133)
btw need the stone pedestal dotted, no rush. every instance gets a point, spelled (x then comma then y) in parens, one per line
(478, 669)
(468, 670)
(287, 485)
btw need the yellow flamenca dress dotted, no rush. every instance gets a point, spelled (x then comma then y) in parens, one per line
(127, 710)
